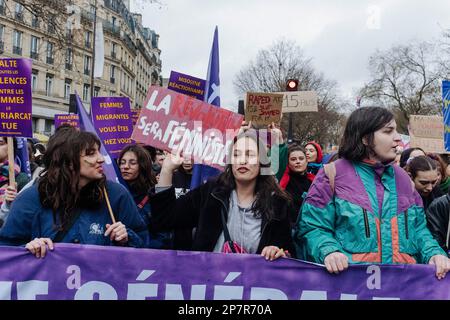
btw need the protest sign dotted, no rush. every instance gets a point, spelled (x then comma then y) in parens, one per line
(263, 108)
(186, 84)
(70, 119)
(172, 121)
(87, 272)
(427, 132)
(299, 101)
(135, 116)
(15, 98)
(112, 120)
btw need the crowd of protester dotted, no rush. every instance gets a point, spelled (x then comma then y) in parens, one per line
(369, 202)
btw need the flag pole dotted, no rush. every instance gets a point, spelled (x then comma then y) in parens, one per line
(12, 177)
(93, 55)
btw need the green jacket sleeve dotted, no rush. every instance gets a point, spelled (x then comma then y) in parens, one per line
(315, 232)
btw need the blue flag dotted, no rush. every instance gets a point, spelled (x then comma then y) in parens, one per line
(22, 157)
(201, 173)
(86, 125)
(446, 112)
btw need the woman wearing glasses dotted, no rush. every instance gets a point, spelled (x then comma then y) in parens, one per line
(135, 166)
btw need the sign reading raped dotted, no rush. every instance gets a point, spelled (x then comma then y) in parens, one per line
(112, 120)
(15, 98)
(173, 121)
(263, 108)
(70, 119)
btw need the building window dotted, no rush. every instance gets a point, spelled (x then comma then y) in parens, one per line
(49, 53)
(34, 21)
(113, 74)
(48, 126)
(69, 58)
(17, 42)
(113, 50)
(114, 21)
(87, 39)
(19, 12)
(34, 48)
(34, 79)
(92, 9)
(2, 45)
(49, 84)
(67, 88)
(112, 93)
(87, 65)
(96, 91)
(51, 24)
(86, 89)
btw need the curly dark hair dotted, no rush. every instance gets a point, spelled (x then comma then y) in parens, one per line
(59, 181)
(266, 185)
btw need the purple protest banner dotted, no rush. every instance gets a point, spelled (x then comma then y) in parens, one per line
(112, 120)
(83, 272)
(15, 98)
(71, 119)
(186, 84)
(135, 115)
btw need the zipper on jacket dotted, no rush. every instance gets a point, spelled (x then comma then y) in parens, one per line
(406, 224)
(220, 200)
(366, 223)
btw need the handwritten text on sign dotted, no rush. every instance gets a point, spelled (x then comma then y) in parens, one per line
(263, 108)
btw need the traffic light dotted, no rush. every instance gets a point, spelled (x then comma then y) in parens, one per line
(292, 85)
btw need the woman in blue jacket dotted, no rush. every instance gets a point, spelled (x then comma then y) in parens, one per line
(135, 165)
(69, 203)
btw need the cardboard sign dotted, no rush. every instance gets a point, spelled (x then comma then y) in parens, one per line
(171, 121)
(263, 108)
(186, 84)
(427, 132)
(15, 98)
(71, 119)
(299, 101)
(112, 120)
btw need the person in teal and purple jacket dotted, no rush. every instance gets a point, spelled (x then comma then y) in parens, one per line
(364, 209)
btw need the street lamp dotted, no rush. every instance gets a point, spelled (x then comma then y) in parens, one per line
(291, 85)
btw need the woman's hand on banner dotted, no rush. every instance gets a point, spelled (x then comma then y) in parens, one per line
(336, 262)
(273, 252)
(442, 264)
(38, 246)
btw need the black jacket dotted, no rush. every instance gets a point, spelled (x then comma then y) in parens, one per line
(201, 208)
(438, 220)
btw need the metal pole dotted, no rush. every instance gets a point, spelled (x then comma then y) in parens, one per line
(93, 53)
(290, 128)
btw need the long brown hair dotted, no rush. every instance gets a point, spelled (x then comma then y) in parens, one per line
(266, 185)
(59, 181)
(145, 179)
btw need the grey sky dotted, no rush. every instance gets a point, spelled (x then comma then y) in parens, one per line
(338, 35)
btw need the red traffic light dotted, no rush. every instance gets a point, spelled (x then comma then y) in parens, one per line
(292, 85)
